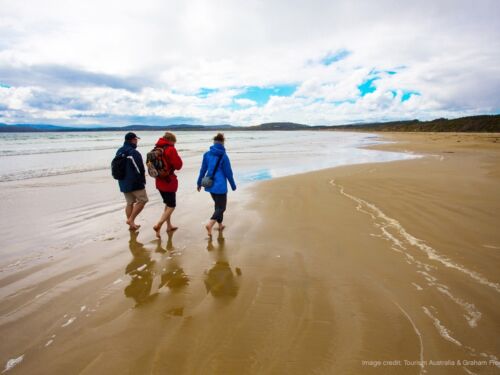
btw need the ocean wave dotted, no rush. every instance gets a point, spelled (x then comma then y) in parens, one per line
(29, 174)
(6, 153)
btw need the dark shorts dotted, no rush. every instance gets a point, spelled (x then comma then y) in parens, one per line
(168, 198)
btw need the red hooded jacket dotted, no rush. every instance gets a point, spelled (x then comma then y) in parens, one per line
(174, 161)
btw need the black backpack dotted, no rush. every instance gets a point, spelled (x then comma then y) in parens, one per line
(119, 166)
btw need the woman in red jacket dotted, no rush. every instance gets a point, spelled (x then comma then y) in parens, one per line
(167, 186)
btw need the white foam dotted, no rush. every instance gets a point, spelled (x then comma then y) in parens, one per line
(419, 335)
(11, 363)
(117, 281)
(430, 279)
(142, 268)
(410, 239)
(48, 343)
(83, 308)
(491, 247)
(472, 314)
(443, 331)
(69, 321)
(417, 286)
(40, 295)
(468, 371)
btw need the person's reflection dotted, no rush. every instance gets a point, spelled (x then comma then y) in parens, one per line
(140, 269)
(172, 276)
(220, 280)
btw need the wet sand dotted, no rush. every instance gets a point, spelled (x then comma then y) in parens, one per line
(346, 271)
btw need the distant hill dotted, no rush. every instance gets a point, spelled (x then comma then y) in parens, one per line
(483, 123)
(279, 126)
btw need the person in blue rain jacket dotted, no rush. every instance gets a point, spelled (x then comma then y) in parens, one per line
(222, 176)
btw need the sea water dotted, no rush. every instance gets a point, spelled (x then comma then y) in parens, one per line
(255, 155)
(57, 191)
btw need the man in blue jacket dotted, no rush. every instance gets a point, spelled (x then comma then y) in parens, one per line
(221, 173)
(134, 183)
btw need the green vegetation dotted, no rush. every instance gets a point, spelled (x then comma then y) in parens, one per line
(464, 124)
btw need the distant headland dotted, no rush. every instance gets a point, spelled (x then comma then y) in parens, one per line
(482, 123)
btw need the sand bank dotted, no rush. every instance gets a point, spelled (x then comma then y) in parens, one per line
(350, 270)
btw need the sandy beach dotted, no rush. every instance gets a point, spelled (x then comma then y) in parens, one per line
(383, 268)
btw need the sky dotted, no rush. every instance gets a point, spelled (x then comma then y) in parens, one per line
(246, 62)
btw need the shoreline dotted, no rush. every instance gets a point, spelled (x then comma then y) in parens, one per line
(326, 269)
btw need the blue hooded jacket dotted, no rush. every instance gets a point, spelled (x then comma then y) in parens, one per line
(135, 175)
(224, 172)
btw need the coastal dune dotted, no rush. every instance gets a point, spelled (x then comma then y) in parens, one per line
(383, 268)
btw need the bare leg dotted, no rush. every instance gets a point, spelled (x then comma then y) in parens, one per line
(135, 211)
(165, 217)
(128, 210)
(170, 227)
(220, 227)
(209, 227)
(157, 228)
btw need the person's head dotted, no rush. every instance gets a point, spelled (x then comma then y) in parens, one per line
(170, 137)
(131, 137)
(219, 138)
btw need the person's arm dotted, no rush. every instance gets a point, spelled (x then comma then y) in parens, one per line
(228, 172)
(174, 158)
(203, 170)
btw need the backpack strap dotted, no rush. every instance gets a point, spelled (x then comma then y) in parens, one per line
(165, 161)
(217, 165)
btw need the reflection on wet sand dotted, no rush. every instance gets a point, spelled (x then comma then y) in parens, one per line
(220, 280)
(141, 271)
(172, 274)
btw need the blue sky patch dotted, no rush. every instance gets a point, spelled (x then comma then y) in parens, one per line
(367, 86)
(335, 56)
(375, 72)
(205, 91)
(261, 95)
(407, 95)
(4, 85)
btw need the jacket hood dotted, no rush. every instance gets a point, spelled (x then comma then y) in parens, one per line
(217, 149)
(162, 142)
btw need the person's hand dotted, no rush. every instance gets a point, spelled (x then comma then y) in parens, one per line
(198, 188)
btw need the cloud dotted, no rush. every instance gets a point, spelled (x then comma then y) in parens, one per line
(51, 75)
(243, 62)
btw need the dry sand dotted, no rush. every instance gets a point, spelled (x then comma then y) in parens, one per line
(316, 273)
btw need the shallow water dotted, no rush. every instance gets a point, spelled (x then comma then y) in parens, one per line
(57, 191)
(258, 155)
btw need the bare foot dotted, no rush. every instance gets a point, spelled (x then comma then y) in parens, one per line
(157, 228)
(132, 225)
(172, 229)
(209, 230)
(221, 227)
